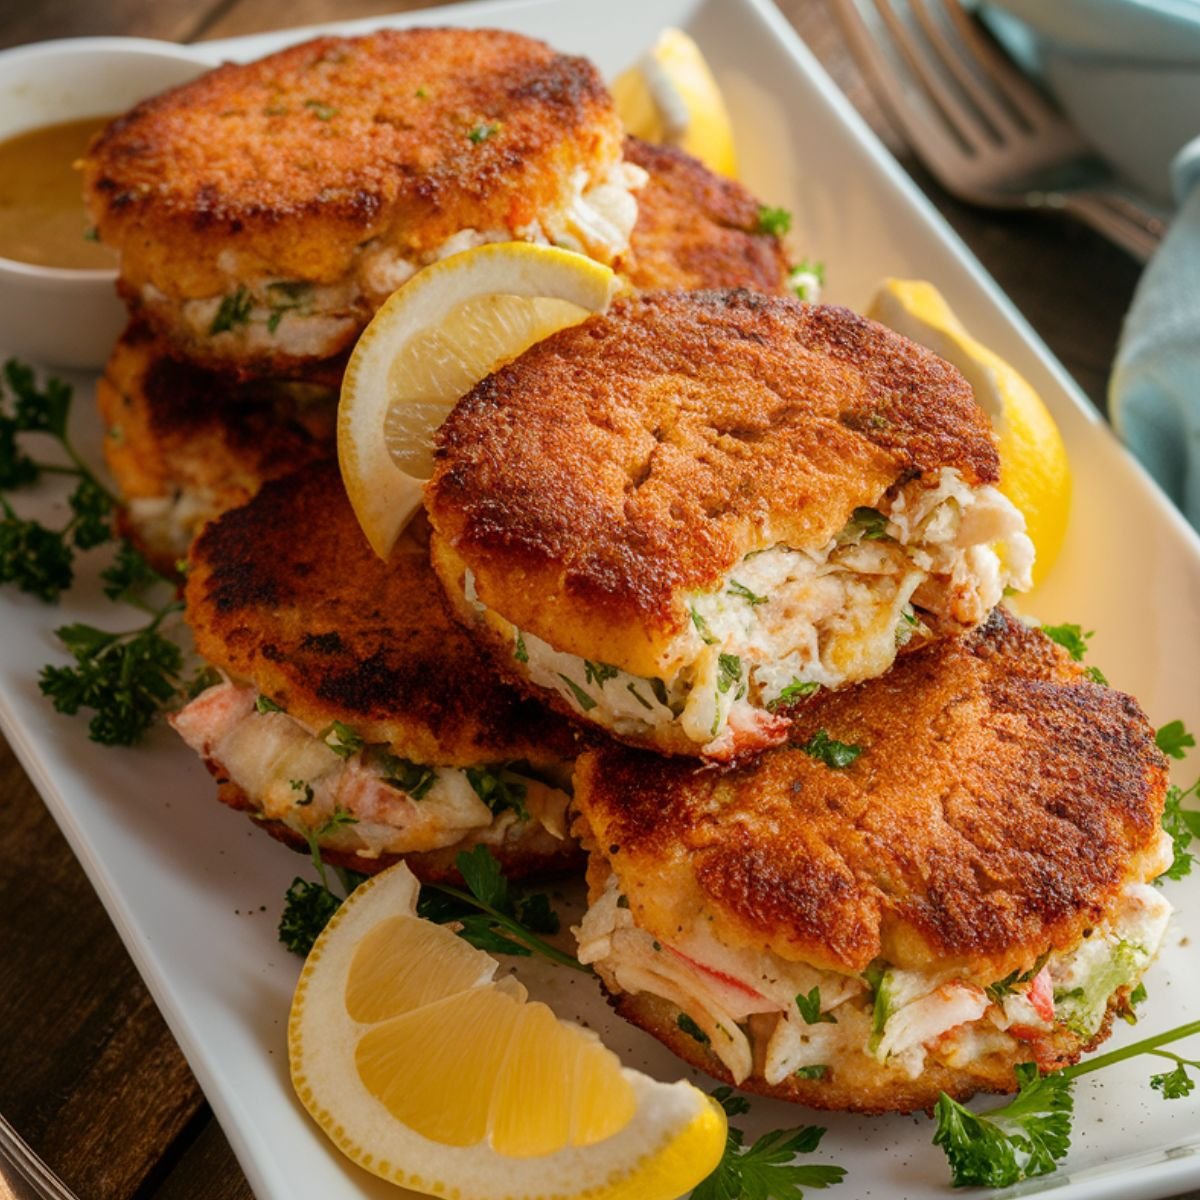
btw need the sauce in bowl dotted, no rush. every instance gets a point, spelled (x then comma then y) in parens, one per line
(42, 218)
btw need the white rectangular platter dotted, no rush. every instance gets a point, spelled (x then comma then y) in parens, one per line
(195, 891)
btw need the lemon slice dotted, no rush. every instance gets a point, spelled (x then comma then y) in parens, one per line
(1034, 472)
(424, 1069)
(671, 96)
(434, 338)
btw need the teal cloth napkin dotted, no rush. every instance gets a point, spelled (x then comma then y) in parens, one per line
(1154, 393)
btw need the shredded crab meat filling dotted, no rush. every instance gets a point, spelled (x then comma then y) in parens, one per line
(306, 778)
(281, 316)
(786, 621)
(743, 1003)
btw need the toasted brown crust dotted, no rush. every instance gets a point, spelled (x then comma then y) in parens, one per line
(534, 852)
(289, 164)
(862, 1086)
(286, 593)
(697, 229)
(172, 428)
(1001, 802)
(625, 462)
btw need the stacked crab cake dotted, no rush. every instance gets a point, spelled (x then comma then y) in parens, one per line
(350, 708)
(944, 873)
(674, 518)
(264, 211)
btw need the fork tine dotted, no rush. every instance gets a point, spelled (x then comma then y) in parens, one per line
(1005, 120)
(1008, 80)
(929, 138)
(968, 126)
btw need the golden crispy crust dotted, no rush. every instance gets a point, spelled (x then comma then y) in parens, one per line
(536, 852)
(862, 1086)
(286, 593)
(1001, 802)
(172, 427)
(632, 459)
(289, 164)
(696, 229)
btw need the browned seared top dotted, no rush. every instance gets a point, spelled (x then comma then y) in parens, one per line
(630, 460)
(286, 593)
(696, 229)
(172, 426)
(1000, 802)
(288, 164)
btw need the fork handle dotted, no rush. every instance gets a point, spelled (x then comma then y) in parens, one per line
(1117, 219)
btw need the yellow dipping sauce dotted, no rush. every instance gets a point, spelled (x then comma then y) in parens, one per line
(42, 218)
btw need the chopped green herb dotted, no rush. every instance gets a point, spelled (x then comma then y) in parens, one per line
(497, 791)
(775, 221)
(834, 754)
(796, 690)
(306, 790)
(421, 94)
(1177, 1083)
(766, 1170)
(581, 697)
(868, 524)
(622, 901)
(264, 704)
(810, 1008)
(691, 1028)
(1182, 826)
(414, 779)
(1173, 739)
(1009, 984)
(598, 673)
(1136, 997)
(702, 628)
(742, 591)
(233, 310)
(807, 278)
(321, 110)
(483, 131)
(1071, 638)
(341, 739)
(631, 687)
(91, 234)
(729, 672)
(816, 1071)
(520, 653)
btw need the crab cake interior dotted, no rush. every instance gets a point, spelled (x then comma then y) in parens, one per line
(971, 892)
(350, 706)
(184, 444)
(262, 212)
(680, 516)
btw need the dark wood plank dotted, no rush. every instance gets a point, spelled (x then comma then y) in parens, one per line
(173, 20)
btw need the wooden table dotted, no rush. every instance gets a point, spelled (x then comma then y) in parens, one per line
(88, 1070)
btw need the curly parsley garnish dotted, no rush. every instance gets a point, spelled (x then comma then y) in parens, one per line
(309, 903)
(35, 558)
(767, 1170)
(775, 221)
(834, 754)
(1174, 740)
(1032, 1132)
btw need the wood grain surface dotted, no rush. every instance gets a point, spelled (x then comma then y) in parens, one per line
(88, 1070)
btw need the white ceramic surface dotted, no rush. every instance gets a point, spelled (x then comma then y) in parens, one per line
(184, 880)
(59, 316)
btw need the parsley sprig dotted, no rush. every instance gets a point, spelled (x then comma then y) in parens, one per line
(1075, 642)
(126, 677)
(767, 1170)
(310, 903)
(1181, 824)
(35, 558)
(493, 914)
(1032, 1132)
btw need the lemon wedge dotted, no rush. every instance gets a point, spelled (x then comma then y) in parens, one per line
(671, 96)
(426, 1070)
(1034, 472)
(435, 337)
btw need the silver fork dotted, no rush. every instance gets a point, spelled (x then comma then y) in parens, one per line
(30, 1171)
(979, 125)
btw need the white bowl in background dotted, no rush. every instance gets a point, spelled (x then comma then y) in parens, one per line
(67, 317)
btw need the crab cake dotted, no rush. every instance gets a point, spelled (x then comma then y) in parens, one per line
(678, 516)
(264, 211)
(185, 444)
(350, 705)
(697, 229)
(972, 891)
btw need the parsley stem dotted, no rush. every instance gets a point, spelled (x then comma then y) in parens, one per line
(88, 473)
(515, 928)
(1145, 1046)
